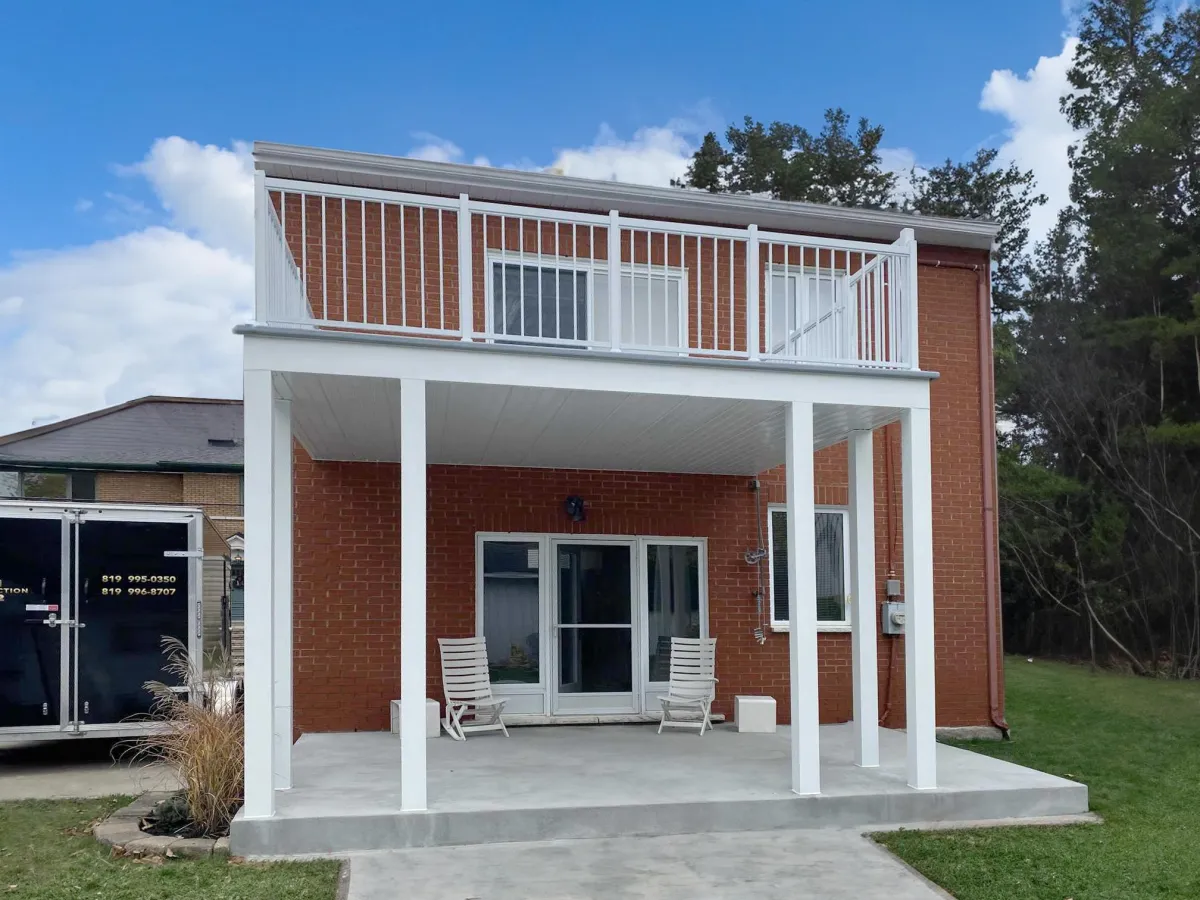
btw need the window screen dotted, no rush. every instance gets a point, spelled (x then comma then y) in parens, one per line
(533, 301)
(831, 566)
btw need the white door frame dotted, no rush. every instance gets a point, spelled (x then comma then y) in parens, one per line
(542, 698)
(652, 690)
(617, 706)
(524, 699)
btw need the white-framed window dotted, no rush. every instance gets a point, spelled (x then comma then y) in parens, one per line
(561, 299)
(806, 312)
(509, 608)
(550, 299)
(833, 566)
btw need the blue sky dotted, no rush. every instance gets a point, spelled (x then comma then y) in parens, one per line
(86, 90)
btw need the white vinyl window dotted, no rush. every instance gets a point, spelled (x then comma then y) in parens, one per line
(561, 300)
(532, 300)
(806, 313)
(833, 567)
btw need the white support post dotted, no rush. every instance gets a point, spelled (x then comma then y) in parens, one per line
(413, 787)
(908, 237)
(614, 278)
(258, 401)
(920, 699)
(753, 340)
(281, 515)
(466, 272)
(864, 610)
(802, 599)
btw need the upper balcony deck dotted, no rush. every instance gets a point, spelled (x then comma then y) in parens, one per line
(632, 279)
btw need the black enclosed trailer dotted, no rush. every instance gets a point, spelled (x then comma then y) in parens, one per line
(87, 592)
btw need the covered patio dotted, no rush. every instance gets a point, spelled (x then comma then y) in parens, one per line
(419, 405)
(616, 780)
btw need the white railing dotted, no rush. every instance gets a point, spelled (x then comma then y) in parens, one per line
(279, 284)
(361, 259)
(838, 301)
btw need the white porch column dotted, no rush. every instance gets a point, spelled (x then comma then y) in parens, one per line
(918, 599)
(281, 529)
(864, 653)
(412, 595)
(802, 599)
(258, 404)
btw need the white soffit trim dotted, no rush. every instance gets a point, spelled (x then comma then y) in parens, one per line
(395, 173)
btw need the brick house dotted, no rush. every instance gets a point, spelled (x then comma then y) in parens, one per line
(580, 418)
(172, 451)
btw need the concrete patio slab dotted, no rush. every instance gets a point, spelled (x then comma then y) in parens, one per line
(830, 864)
(615, 781)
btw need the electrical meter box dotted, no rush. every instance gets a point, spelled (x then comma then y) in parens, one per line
(893, 618)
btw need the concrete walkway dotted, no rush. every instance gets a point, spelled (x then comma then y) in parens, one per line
(69, 769)
(830, 864)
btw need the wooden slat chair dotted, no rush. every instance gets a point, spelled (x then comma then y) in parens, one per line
(693, 684)
(470, 705)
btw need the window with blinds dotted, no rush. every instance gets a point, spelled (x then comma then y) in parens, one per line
(831, 566)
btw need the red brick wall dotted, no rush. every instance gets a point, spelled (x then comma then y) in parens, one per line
(347, 551)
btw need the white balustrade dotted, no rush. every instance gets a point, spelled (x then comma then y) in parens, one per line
(382, 261)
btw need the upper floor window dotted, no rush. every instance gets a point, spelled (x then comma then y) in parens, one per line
(804, 313)
(47, 485)
(538, 301)
(559, 300)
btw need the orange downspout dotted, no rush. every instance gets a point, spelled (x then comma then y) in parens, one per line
(987, 422)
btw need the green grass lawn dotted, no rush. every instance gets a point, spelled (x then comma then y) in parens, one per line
(47, 853)
(1135, 742)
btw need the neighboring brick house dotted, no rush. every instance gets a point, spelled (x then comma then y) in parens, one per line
(559, 453)
(155, 450)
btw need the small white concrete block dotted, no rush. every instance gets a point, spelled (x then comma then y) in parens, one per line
(754, 714)
(433, 724)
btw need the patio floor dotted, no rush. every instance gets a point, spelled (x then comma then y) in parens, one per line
(617, 780)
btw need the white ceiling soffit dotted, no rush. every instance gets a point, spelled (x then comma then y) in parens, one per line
(496, 425)
(562, 192)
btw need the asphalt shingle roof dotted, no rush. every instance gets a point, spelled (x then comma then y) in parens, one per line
(152, 431)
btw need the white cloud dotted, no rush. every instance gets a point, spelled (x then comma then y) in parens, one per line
(652, 156)
(149, 311)
(208, 190)
(900, 161)
(1038, 134)
(83, 204)
(437, 149)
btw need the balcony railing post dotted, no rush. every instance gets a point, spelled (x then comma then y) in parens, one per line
(908, 239)
(753, 339)
(262, 234)
(466, 271)
(614, 279)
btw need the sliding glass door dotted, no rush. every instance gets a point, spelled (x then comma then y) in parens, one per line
(583, 625)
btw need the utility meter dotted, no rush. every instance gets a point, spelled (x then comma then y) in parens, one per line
(893, 618)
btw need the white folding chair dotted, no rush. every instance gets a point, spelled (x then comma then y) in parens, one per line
(470, 705)
(693, 684)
